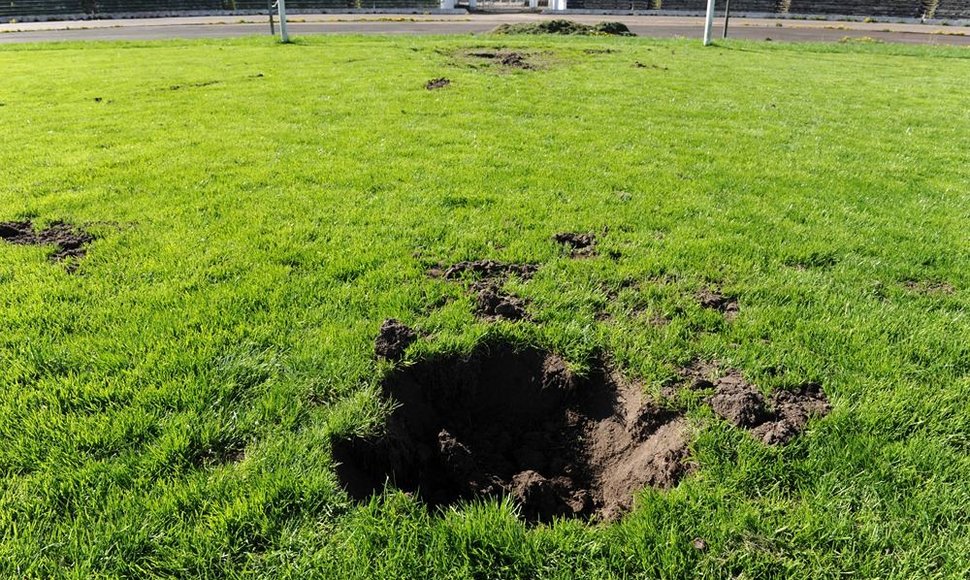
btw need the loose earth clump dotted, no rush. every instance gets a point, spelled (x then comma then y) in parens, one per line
(494, 303)
(775, 421)
(439, 83)
(714, 300)
(580, 245)
(491, 301)
(516, 422)
(393, 340)
(70, 240)
(568, 27)
(490, 269)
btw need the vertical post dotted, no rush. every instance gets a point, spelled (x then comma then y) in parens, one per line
(727, 16)
(284, 35)
(708, 23)
(269, 10)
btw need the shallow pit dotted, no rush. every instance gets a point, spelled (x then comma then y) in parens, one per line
(516, 422)
(70, 241)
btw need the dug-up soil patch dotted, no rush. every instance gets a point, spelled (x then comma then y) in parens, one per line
(714, 300)
(580, 245)
(929, 287)
(516, 422)
(564, 27)
(504, 58)
(438, 83)
(393, 339)
(70, 241)
(773, 421)
(492, 302)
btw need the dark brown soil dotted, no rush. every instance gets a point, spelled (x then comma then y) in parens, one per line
(727, 305)
(580, 245)
(775, 421)
(506, 59)
(439, 83)
(737, 401)
(489, 269)
(393, 340)
(70, 240)
(515, 422)
(491, 301)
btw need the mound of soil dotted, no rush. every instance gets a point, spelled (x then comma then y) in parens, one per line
(561, 26)
(774, 422)
(580, 245)
(70, 240)
(493, 302)
(437, 84)
(515, 422)
(393, 340)
(726, 305)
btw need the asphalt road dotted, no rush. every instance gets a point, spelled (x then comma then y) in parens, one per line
(655, 26)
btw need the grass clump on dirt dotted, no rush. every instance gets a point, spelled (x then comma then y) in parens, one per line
(587, 319)
(565, 27)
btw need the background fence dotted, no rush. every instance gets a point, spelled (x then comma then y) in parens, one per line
(947, 9)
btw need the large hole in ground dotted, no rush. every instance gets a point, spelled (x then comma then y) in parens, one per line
(509, 421)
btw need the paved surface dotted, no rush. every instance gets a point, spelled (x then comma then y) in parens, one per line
(306, 24)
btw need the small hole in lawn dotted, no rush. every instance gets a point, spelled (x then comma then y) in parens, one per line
(71, 241)
(507, 421)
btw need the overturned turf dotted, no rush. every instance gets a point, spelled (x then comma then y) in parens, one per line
(393, 339)
(438, 83)
(773, 421)
(567, 27)
(713, 299)
(70, 241)
(581, 245)
(515, 422)
(487, 277)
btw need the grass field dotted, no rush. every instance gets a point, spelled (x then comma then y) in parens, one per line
(166, 408)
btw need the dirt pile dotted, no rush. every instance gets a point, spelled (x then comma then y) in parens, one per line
(393, 339)
(70, 240)
(567, 27)
(774, 421)
(514, 422)
(580, 245)
(439, 83)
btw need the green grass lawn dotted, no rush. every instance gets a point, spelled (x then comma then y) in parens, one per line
(166, 409)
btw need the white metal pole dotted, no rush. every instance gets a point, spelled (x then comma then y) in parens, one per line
(708, 24)
(284, 35)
